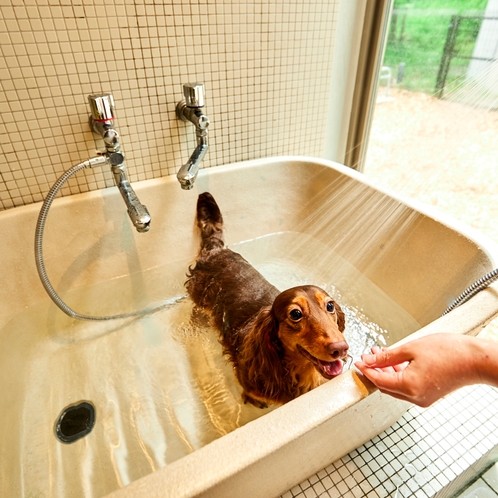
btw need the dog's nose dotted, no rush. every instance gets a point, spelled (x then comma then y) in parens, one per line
(337, 349)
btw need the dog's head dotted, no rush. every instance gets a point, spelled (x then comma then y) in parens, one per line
(310, 324)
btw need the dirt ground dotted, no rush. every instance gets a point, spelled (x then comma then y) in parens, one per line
(442, 153)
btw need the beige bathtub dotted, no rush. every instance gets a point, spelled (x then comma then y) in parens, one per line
(398, 265)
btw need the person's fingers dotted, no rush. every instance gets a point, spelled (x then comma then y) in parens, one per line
(387, 357)
(386, 381)
(401, 366)
(396, 368)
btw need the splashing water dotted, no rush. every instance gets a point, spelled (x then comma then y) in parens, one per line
(353, 220)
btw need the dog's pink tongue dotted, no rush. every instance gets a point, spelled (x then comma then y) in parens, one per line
(333, 368)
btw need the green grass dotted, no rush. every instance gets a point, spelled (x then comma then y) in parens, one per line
(459, 5)
(418, 35)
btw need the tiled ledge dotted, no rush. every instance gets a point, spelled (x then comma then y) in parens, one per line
(433, 452)
(484, 487)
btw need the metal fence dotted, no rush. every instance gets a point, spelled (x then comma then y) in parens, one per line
(462, 50)
(435, 50)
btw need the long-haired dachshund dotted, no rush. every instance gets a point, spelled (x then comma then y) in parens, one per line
(281, 344)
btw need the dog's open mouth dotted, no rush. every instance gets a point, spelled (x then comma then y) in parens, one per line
(329, 369)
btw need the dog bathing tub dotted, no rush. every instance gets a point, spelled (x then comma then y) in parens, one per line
(163, 411)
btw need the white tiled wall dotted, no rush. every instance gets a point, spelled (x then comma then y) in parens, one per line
(266, 65)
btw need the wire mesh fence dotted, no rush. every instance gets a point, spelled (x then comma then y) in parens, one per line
(438, 51)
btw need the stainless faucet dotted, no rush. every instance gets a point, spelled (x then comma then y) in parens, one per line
(101, 120)
(190, 109)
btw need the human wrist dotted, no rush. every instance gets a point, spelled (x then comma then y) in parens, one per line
(484, 354)
(463, 362)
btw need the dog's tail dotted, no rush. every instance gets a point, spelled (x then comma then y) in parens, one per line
(210, 222)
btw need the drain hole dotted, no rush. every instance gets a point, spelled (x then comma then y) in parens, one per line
(75, 422)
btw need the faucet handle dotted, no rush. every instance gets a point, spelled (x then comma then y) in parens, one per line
(102, 106)
(194, 94)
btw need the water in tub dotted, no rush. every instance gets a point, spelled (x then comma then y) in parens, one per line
(160, 386)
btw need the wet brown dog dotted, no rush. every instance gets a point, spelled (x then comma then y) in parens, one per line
(281, 344)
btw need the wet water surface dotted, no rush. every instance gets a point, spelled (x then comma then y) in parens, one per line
(159, 383)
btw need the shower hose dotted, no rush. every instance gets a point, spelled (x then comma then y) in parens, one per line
(468, 293)
(472, 290)
(40, 265)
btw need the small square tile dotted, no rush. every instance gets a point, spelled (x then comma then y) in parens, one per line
(491, 477)
(479, 489)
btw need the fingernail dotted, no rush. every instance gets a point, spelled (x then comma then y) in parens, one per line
(368, 359)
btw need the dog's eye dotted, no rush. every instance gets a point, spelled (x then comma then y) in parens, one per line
(295, 315)
(330, 307)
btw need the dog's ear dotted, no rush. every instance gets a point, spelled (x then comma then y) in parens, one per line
(341, 318)
(260, 365)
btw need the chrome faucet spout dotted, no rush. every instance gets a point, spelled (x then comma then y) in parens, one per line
(190, 110)
(101, 122)
(188, 172)
(138, 213)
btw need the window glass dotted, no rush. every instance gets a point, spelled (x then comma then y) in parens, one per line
(434, 134)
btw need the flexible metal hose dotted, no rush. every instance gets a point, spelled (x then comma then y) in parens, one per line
(40, 265)
(472, 290)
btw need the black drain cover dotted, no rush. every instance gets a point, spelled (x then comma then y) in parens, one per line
(75, 422)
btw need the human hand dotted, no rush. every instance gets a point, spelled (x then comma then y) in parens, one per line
(424, 370)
